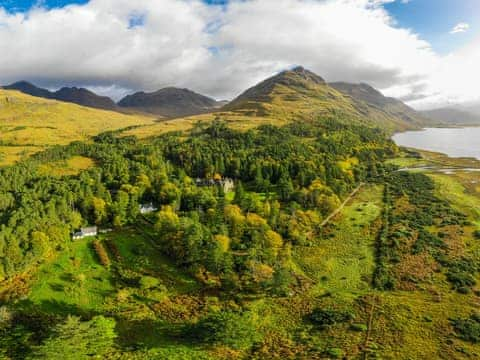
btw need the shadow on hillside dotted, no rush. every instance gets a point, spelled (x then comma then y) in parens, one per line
(149, 333)
(54, 307)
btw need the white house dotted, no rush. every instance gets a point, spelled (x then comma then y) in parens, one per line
(226, 183)
(84, 232)
(147, 208)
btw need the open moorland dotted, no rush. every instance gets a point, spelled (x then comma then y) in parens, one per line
(28, 124)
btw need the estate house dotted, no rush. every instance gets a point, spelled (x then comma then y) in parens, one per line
(84, 232)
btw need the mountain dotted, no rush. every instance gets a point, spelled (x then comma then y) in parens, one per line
(453, 116)
(300, 93)
(473, 108)
(170, 102)
(30, 89)
(74, 95)
(298, 78)
(84, 97)
(364, 93)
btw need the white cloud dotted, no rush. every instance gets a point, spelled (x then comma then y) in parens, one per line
(222, 50)
(460, 28)
(95, 44)
(455, 79)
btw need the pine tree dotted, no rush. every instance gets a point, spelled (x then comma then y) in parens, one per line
(239, 193)
(285, 187)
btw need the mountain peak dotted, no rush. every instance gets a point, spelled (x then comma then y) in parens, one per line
(84, 97)
(30, 89)
(297, 78)
(22, 83)
(305, 74)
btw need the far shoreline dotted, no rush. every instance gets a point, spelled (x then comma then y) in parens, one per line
(470, 152)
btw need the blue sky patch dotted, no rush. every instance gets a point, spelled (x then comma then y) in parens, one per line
(136, 20)
(433, 20)
(24, 5)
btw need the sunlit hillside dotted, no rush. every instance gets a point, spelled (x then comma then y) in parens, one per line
(296, 95)
(301, 94)
(26, 120)
(234, 121)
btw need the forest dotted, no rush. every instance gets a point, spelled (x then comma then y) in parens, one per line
(276, 175)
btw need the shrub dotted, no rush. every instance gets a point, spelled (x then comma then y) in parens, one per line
(334, 353)
(460, 274)
(468, 329)
(112, 247)
(359, 327)
(325, 317)
(233, 329)
(101, 253)
(476, 234)
(148, 282)
(76, 339)
(425, 241)
(6, 316)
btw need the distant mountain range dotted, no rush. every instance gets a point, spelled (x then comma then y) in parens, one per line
(170, 102)
(454, 116)
(84, 97)
(287, 95)
(74, 95)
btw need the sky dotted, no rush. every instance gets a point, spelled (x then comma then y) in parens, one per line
(425, 52)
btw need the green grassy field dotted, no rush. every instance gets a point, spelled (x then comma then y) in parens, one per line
(74, 282)
(77, 278)
(343, 261)
(141, 288)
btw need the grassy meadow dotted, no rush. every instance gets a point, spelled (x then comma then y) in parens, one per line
(28, 120)
(69, 167)
(342, 262)
(234, 121)
(9, 155)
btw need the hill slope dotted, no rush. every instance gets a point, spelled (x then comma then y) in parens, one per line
(170, 102)
(29, 120)
(299, 93)
(365, 94)
(74, 95)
